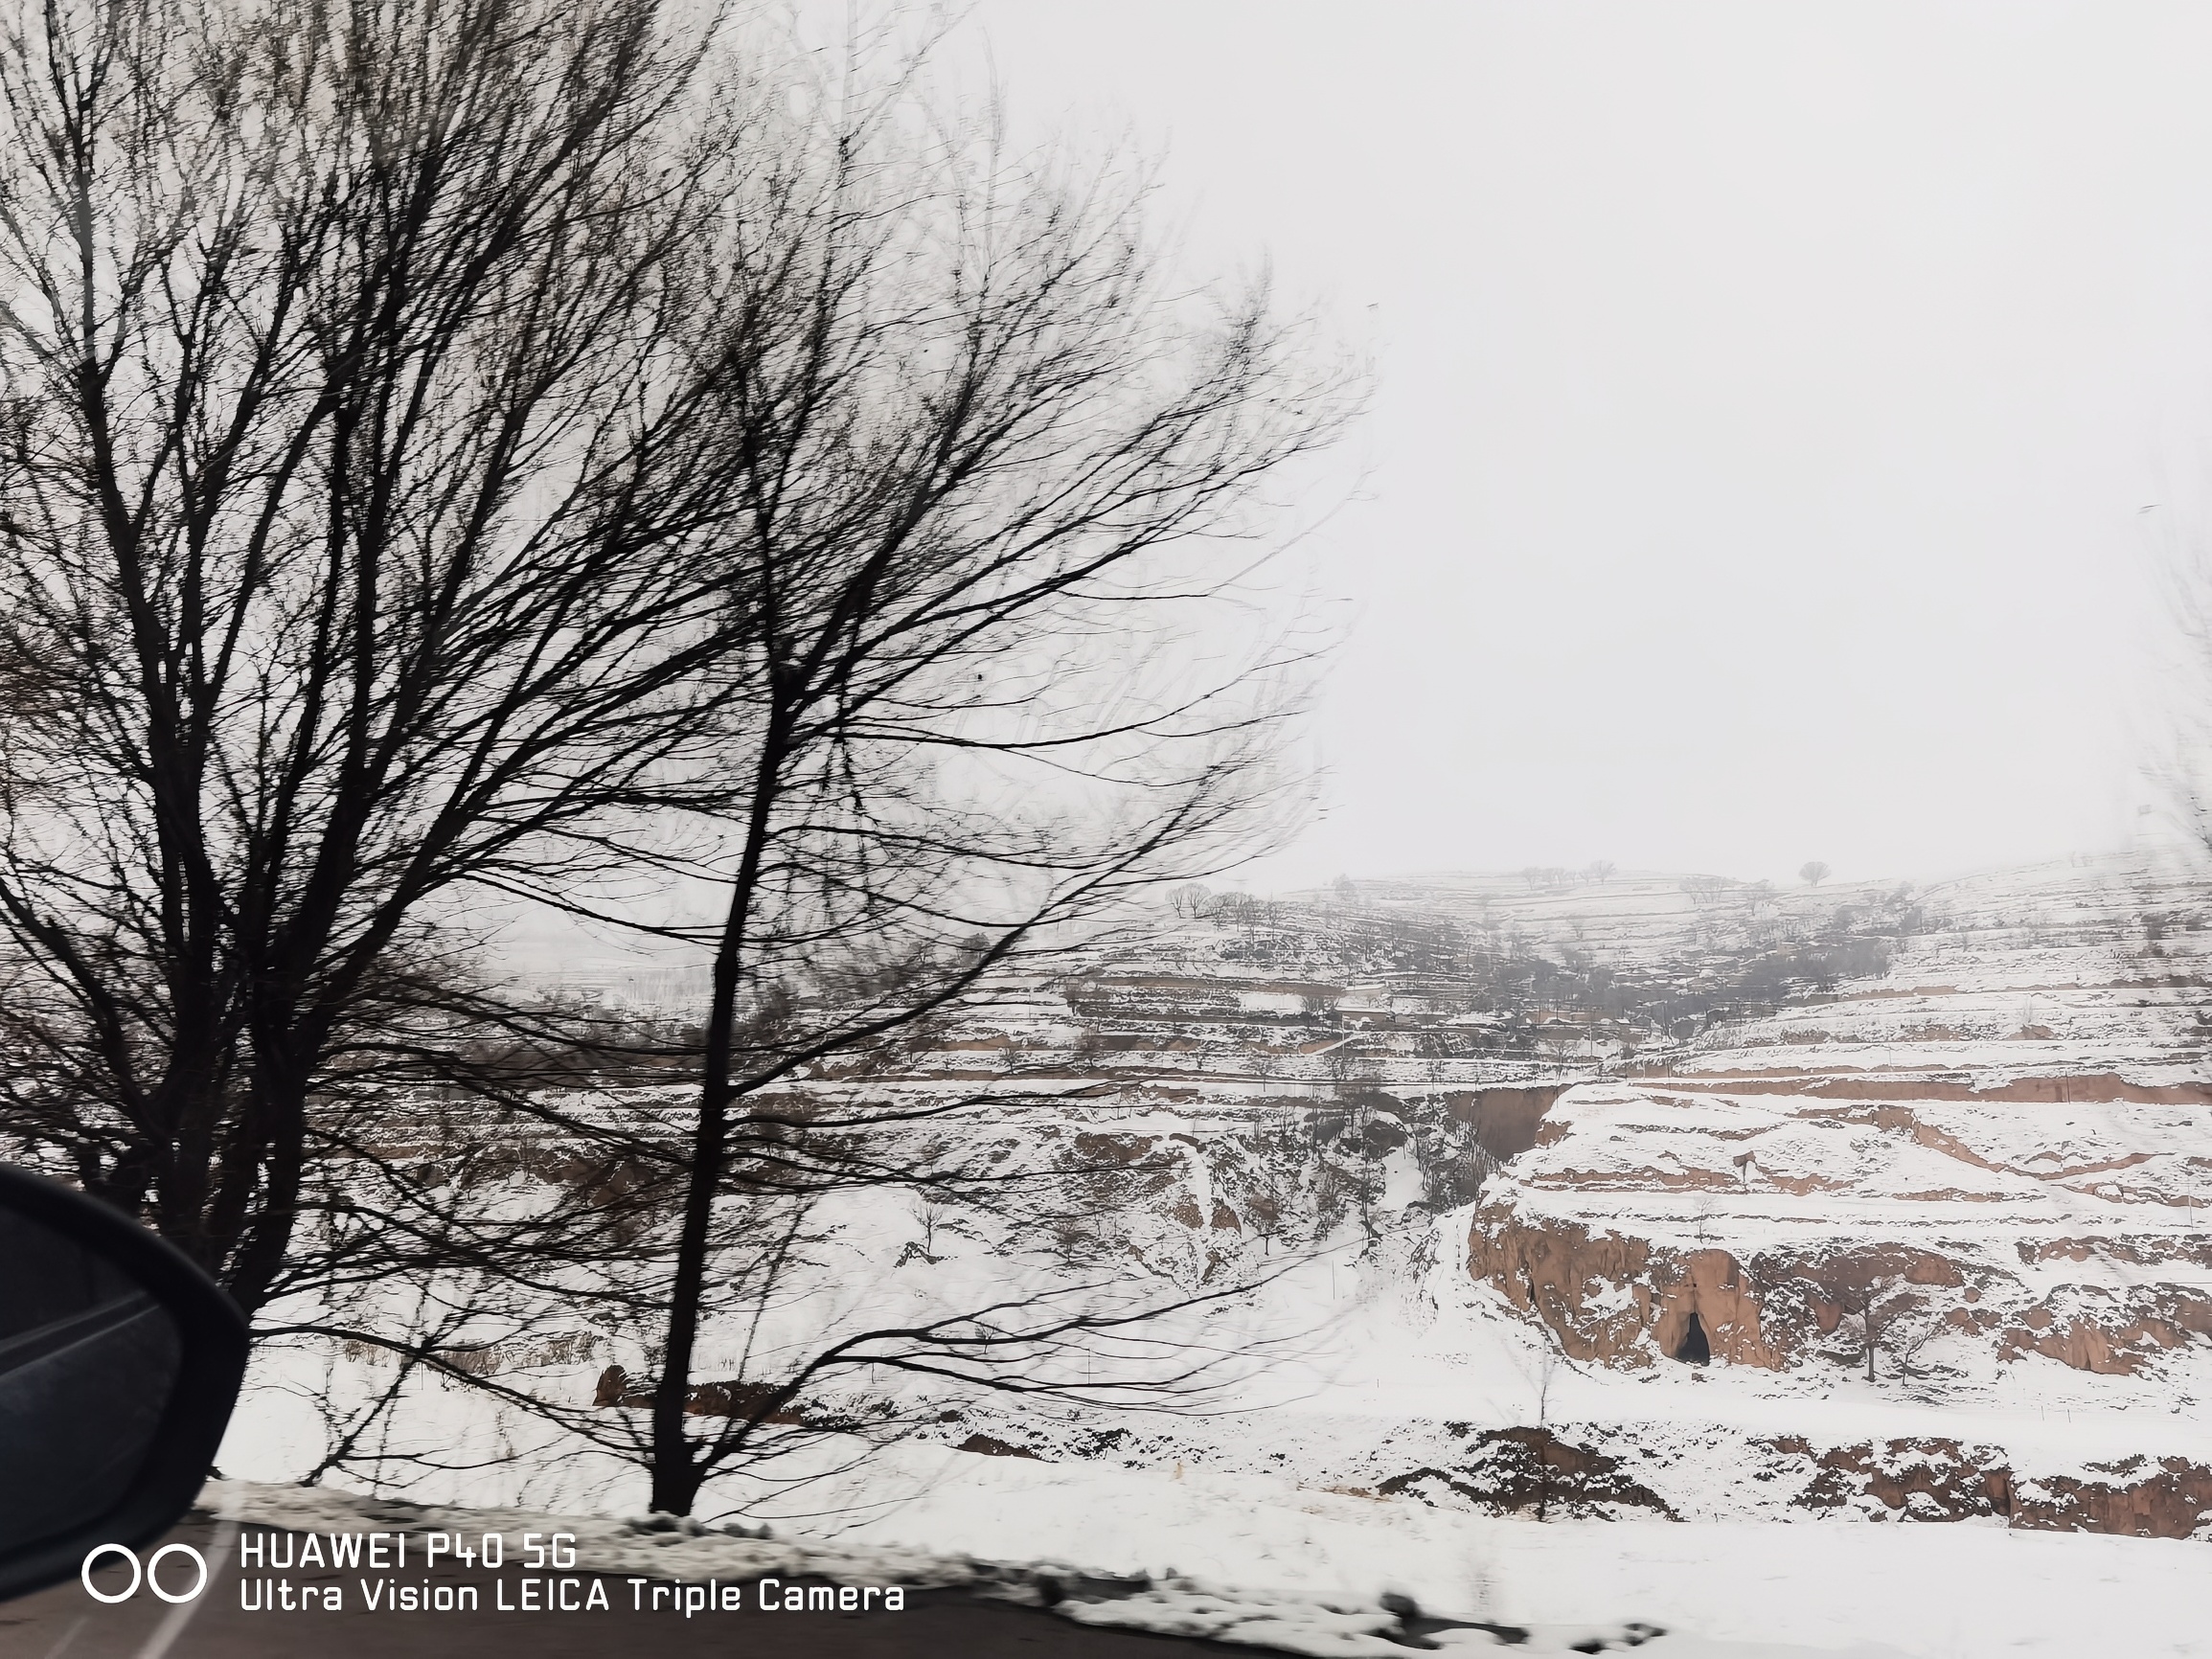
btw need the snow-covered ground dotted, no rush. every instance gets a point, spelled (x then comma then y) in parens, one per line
(1275, 1497)
(1269, 1549)
(1958, 1592)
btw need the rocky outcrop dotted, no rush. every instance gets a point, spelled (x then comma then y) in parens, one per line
(1921, 1240)
(1616, 1300)
(2145, 1498)
(1911, 1480)
(1506, 1118)
(1705, 1311)
(2110, 1333)
(1533, 1472)
(760, 1401)
(1608, 1471)
(1942, 1480)
(1590, 1289)
(991, 1447)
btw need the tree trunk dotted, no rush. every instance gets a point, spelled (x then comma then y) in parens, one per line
(678, 1471)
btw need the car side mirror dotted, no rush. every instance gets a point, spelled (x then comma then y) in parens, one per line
(119, 1364)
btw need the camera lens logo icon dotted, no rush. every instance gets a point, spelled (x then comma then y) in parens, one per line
(148, 1575)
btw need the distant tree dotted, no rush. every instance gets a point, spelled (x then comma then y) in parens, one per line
(1344, 889)
(928, 1216)
(1600, 870)
(1264, 1210)
(1454, 1164)
(1559, 1042)
(1241, 909)
(1813, 872)
(1547, 1371)
(1351, 1072)
(1869, 1309)
(1193, 900)
(1705, 890)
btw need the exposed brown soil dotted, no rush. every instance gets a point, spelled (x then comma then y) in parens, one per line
(1569, 1278)
(1533, 1472)
(1942, 1480)
(1505, 1120)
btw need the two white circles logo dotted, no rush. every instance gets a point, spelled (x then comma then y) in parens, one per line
(146, 1574)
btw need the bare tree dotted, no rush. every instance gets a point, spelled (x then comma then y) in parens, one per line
(985, 453)
(1870, 1308)
(523, 452)
(928, 1216)
(1705, 892)
(1455, 1171)
(1548, 1364)
(361, 545)
(1812, 874)
(1193, 900)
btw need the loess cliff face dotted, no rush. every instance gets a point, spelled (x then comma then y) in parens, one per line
(1973, 1189)
(1616, 1300)
(1968, 1236)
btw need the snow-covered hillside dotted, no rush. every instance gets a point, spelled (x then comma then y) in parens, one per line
(1601, 1199)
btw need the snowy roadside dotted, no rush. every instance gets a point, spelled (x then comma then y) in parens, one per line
(1845, 1586)
(664, 1548)
(1298, 1571)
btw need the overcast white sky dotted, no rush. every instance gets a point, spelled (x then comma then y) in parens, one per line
(1770, 399)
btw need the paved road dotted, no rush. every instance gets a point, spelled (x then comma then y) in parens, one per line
(64, 1622)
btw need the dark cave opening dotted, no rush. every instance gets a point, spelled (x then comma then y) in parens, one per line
(1694, 1348)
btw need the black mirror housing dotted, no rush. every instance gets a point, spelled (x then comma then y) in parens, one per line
(119, 1361)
